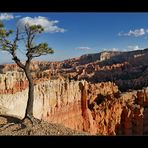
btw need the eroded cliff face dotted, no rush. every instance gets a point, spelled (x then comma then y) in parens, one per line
(55, 100)
(13, 82)
(58, 101)
(134, 114)
(96, 108)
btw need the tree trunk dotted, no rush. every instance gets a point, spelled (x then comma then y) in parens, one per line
(29, 108)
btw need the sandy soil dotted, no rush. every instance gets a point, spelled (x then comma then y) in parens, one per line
(13, 126)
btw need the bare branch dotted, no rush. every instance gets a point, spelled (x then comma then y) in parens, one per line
(17, 36)
(26, 30)
(32, 38)
(18, 62)
(13, 52)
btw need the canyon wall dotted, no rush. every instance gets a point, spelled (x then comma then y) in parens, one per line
(55, 100)
(59, 101)
(95, 108)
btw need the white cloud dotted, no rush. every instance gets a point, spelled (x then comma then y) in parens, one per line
(83, 48)
(48, 25)
(111, 49)
(6, 16)
(136, 47)
(135, 33)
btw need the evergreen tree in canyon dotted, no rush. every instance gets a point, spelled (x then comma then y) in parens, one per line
(32, 50)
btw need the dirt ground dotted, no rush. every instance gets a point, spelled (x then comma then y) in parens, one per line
(13, 126)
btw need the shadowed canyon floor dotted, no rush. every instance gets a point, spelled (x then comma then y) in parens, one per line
(100, 94)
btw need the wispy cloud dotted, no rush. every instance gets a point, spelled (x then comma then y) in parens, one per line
(83, 48)
(48, 25)
(129, 48)
(6, 16)
(17, 16)
(136, 47)
(110, 49)
(134, 33)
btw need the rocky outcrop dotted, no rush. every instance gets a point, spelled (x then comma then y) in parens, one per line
(107, 55)
(12, 82)
(134, 114)
(120, 113)
(132, 120)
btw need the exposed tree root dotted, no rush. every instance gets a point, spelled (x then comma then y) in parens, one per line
(34, 121)
(6, 126)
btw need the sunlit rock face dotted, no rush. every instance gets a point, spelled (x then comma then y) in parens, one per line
(59, 101)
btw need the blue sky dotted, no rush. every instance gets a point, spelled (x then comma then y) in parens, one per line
(74, 34)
